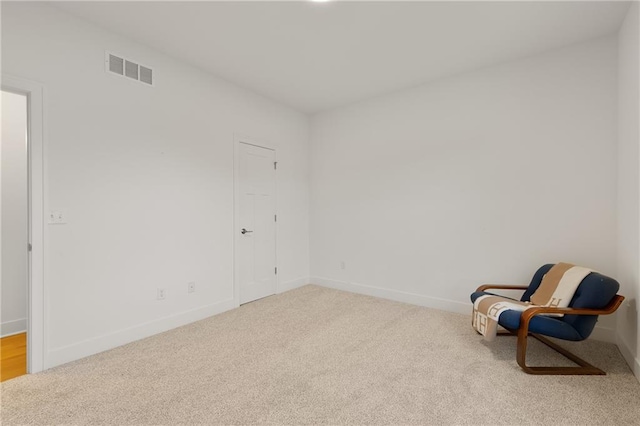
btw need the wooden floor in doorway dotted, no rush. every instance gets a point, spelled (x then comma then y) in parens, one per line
(13, 356)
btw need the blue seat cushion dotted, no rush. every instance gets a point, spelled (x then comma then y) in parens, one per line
(549, 326)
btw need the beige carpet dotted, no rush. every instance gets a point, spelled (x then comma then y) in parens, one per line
(321, 356)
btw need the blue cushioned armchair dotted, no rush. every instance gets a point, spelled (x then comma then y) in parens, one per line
(596, 295)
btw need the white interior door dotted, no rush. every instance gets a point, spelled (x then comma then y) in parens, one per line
(256, 227)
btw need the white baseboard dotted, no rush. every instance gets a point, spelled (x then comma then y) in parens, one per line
(628, 355)
(398, 296)
(604, 334)
(105, 342)
(9, 328)
(290, 285)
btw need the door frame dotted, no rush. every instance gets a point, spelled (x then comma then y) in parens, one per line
(36, 306)
(238, 139)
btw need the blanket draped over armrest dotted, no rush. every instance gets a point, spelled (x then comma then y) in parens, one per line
(556, 290)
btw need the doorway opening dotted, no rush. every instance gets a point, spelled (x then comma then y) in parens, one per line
(22, 228)
(15, 235)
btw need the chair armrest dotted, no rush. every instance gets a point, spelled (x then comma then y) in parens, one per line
(502, 287)
(528, 314)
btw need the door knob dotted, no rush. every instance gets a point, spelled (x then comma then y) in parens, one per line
(244, 231)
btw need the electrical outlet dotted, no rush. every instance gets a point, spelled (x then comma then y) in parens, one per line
(343, 265)
(56, 218)
(162, 293)
(191, 287)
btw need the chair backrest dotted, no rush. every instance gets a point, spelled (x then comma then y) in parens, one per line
(595, 292)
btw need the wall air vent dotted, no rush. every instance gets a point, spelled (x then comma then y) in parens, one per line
(131, 69)
(116, 64)
(146, 75)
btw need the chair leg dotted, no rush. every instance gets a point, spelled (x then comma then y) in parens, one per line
(584, 367)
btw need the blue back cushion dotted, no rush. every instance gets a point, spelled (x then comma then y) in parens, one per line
(595, 291)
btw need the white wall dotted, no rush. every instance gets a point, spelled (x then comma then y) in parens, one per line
(144, 176)
(476, 178)
(629, 187)
(424, 194)
(14, 214)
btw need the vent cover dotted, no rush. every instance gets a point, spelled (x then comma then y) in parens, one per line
(131, 69)
(146, 75)
(116, 64)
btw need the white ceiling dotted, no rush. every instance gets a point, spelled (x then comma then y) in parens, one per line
(317, 56)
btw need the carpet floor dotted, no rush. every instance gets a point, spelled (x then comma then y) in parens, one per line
(319, 356)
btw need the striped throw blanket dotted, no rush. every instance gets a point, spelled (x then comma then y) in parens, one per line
(556, 290)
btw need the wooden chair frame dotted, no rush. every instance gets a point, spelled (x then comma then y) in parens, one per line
(523, 332)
